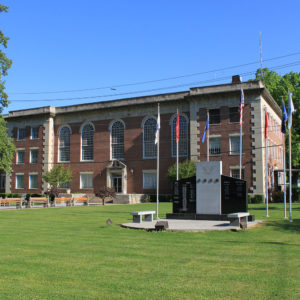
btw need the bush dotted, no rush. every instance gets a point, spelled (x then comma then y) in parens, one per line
(250, 199)
(258, 199)
(277, 197)
(162, 198)
(10, 195)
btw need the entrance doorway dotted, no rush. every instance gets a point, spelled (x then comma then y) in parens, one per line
(116, 181)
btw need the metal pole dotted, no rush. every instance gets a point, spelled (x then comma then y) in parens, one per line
(157, 161)
(284, 175)
(177, 152)
(207, 139)
(290, 174)
(266, 159)
(241, 148)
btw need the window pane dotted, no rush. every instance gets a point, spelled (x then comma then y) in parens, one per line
(33, 181)
(21, 133)
(35, 133)
(87, 142)
(34, 156)
(214, 116)
(235, 145)
(20, 181)
(235, 173)
(64, 144)
(234, 114)
(20, 156)
(117, 140)
(183, 137)
(214, 145)
(86, 181)
(149, 138)
(149, 180)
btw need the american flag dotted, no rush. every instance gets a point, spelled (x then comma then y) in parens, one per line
(242, 104)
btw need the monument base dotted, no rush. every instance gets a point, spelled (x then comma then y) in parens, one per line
(190, 216)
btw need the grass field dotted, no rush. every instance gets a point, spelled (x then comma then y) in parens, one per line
(70, 253)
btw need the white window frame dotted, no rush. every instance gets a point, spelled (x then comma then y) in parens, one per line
(236, 168)
(149, 172)
(20, 188)
(17, 154)
(236, 135)
(110, 130)
(81, 152)
(214, 137)
(31, 131)
(18, 134)
(86, 173)
(29, 181)
(30, 155)
(59, 133)
(173, 135)
(143, 127)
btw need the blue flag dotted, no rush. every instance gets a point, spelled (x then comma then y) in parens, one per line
(284, 118)
(206, 128)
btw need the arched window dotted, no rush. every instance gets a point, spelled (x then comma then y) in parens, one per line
(117, 140)
(87, 142)
(64, 144)
(183, 136)
(149, 138)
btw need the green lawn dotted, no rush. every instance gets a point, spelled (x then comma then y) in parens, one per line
(70, 253)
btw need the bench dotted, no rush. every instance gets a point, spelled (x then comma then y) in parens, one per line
(33, 201)
(66, 201)
(84, 201)
(8, 201)
(138, 216)
(238, 219)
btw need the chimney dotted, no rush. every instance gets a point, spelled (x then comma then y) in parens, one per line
(236, 79)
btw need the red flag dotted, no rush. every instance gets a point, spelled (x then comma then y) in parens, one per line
(242, 104)
(266, 124)
(177, 129)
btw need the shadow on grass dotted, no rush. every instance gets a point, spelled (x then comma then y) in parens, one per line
(285, 225)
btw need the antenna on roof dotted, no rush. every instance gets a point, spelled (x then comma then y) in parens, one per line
(261, 60)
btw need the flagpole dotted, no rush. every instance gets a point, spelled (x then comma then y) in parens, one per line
(290, 175)
(284, 176)
(207, 139)
(177, 151)
(157, 163)
(266, 159)
(241, 144)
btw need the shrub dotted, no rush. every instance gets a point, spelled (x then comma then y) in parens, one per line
(162, 198)
(186, 169)
(277, 197)
(250, 199)
(258, 198)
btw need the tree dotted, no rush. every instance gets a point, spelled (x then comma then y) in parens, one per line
(5, 64)
(7, 148)
(186, 169)
(279, 86)
(58, 176)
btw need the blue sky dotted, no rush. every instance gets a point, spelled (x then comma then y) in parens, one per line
(72, 45)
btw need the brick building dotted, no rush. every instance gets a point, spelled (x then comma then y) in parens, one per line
(112, 143)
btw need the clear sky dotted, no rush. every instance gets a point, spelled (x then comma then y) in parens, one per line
(97, 46)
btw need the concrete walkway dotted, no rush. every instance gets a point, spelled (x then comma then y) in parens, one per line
(188, 225)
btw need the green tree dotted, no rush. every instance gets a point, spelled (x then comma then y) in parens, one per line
(7, 148)
(186, 169)
(279, 86)
(58, 176)
(5, 64)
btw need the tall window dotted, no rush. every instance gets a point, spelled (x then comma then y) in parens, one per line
(117, 140)
(234, 114)
(33, 181)
(235, 172)
(34, 133)
(149, 138)
(214, 116)
(87, 142)
(235, 144)
(214, 145)
(86, 180)
(149, 179)
(64, 144)
(20, 156)
(34, 154)
(21, 134)
(183, 136)
(20, 181)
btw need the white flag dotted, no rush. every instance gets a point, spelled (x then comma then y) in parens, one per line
(291, 111)
(157, 128)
